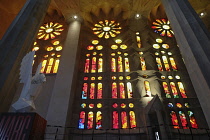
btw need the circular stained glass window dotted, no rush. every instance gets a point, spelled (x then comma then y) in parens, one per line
(123, 105)
(49, 48)
(131, 105)
(99, 47)
(99, 105)
(156, 46)
(114, 47)
(165, 46)
(90, 47)
(95, 42)
(59, 48)
(91, 105)
(123, 47)
(115, 105)
(83, 105)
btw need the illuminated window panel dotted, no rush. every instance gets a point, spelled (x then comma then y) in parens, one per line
(113, 65)
(165, 46)
(98, 120)
(162, 27)
(192, 120)
(84, 91)
(156, 46)
(143, 64)
(122, 91)
(99, 92)
(127, 67)
(118, 41)
(147, 88)
(49, 66)
(106, 29)
(138, 39)
(131, 105)
(158, 40)
(124, 119)
(115, 122)
(59, 48)
(93, 66)
(55, 69)
(173, 64)
(170, 105)
(90, 47)
(100, 65)
(174, 90)
(91, 105)
(95, 42)
(115, 105)
(132, 119)
(83, 105)
(182, 90)
(92, 90)
(99, 47)
(114, 90)
(44, 62)
(174, 119)
(36, 48)
(90, 120)
(99, 105)
(123, 47)
(183, 119)
(166, 90)
(50, 31)
(82, 120)
(159, 64)
(165, 61)
(119, 66)
(129, 90)
(178, 105)
(87, 65)
(123, 105)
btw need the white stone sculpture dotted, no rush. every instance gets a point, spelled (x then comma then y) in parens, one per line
(32, 85)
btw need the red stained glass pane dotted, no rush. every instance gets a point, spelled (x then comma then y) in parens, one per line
(115, 105)
(166, 89)
(92, 90)
(183, 120)
(192, 120)
(115, 120)
(132, 119)
(122, 91)
(82, 120)
(174, 90)
(90, 120)
(174, 119)
(87, 65)
(99, 93)
(124, 119)
(84, 91)
(119, 67)
(98, 120)
(114, 90)
(181, 89)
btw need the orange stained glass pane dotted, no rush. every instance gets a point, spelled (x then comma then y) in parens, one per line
(174, 90)
(114, 90)
(98, 120)
(159, 64)
(119, 67)
(127, 67)
(90, 47)
(182, 90)
(183, 120)
(179, 105)
(113, 65)
(132, 119)
(173, 64)
(143, 64)
(138, 39)
(129, 90)
(115, 123)
(124, 119)
(56, 66)
(49, 48)
(92, 90)
(44, 62)
(192, 120)
(123, 105)
(147, 88)
(174, 119)
(84, 91)
(165, 61)
(122, 91)
(93, 68)
(82, 120)
(166, 89)
(90, 120)
(87, 65)
(100, 65)
(99, 92)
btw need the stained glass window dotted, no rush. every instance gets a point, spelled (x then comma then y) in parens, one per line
(174, 119)
(124, 119)
(82, 120)
(147, 88)
(173, 64)
(114, 90)
(143, 64)
(44, 62)
(181, 89)
(166, 90)
(122, 90)
(174, 90)
(113, 65)
(84, 91)
(119, 67)
(100, 65)
(99, 92)
(87, 64)
(115, 122)
(98, 120)
(90, 120)
(165, 61)
(192, 120)
(170, 105)
(92, 90)
(183, 119)
(179, 105)
(127, 67)
(129, 90)
(93, 67)
(159, 64)
(138, 40)
(55, 69)
(49, 67)
(132, 119)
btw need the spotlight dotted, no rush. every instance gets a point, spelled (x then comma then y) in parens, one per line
(137, 16)
(75, 17)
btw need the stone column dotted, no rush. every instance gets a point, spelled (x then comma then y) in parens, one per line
(16, 42)
(194, 42)
(61, 99)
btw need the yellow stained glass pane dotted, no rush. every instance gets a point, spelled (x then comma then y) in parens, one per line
(100, 65)
(127, 67)
(156, 46)
(48, 69)
(95, 42)
(99, 47)
(165, 46)
(118, 41)
(59, 48)
(56, 66)
(123, 47)
(49, 48)
(35, 49)
(56, 42)
(158, 40)
(114, 47)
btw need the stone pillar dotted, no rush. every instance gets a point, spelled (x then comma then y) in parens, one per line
(16, 42)
(61, 99)
(194, 43)
(161, 125)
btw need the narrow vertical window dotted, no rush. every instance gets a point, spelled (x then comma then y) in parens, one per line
(183, 119)
(93, 68)
(87, 65)
(174, 119)
(84, 91)
(129, 90)
(124, 119)
(99, 93)
(174, 90)
(132, 119)
(114, 90)
(122, 91)
(82, 120)
(147, 88)
(138, 39)
(100, 65)
(92, 90)
(181, 89)
(127, 67)
(119, 67)
(113, 65)
(43, 66)
(143, 64)
(56, 66)
(165, 61)
(166, 89)
(192, 120)
(115, 120)
(98, 120)
(49, 67)
(159, 64)
(90, 120)
(173, 64)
